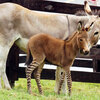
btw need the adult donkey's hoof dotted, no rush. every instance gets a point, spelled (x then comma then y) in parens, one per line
(8, 88)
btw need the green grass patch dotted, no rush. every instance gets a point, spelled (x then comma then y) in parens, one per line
(80, 91)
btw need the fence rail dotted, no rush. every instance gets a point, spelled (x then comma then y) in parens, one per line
(77, 76)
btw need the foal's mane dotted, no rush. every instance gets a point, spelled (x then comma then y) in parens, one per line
(70, 37)
(82, 13)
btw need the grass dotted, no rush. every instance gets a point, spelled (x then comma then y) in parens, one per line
(80, 91)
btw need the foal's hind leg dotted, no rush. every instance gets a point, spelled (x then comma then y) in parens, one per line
(37, 75)
(29, 71)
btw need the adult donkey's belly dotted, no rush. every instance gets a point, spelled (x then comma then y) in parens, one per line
(22, 44)
(22, 41)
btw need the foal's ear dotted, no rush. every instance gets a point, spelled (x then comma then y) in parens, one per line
(79, 26)
(87, 8)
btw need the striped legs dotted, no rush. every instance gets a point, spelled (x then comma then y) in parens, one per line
(69, 82)
(37, 74)
(58, 75)
(61, 82)
(29, 71)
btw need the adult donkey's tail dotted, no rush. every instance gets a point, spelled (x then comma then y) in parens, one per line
(29, 56)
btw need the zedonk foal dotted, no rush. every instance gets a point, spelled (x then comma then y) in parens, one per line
(56, 51)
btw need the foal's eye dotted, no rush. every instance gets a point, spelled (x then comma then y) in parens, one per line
(96, 33)
(81, 39)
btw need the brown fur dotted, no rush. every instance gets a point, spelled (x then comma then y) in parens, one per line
(56, 51)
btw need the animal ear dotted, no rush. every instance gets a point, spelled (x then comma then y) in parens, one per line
(79, 26)
(89, 28)
(87, 8)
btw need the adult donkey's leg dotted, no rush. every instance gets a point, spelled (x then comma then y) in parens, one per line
(3, 57)
(58, 75)
(0, 82)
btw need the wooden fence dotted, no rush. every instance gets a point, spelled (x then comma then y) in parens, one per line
(14, 71)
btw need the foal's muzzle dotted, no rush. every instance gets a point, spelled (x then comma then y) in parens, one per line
(84, 52)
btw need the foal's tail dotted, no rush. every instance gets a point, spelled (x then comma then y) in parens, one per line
(29, 56)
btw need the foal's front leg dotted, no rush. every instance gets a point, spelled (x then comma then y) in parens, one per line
(58, 75)
(61, 82)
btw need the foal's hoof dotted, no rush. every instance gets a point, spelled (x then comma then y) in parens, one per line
(34, 94)
(30, 92)
(41, 93)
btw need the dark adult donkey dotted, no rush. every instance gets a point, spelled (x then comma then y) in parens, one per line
(18, 24)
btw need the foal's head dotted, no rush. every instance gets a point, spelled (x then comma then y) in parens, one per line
(84, 41)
